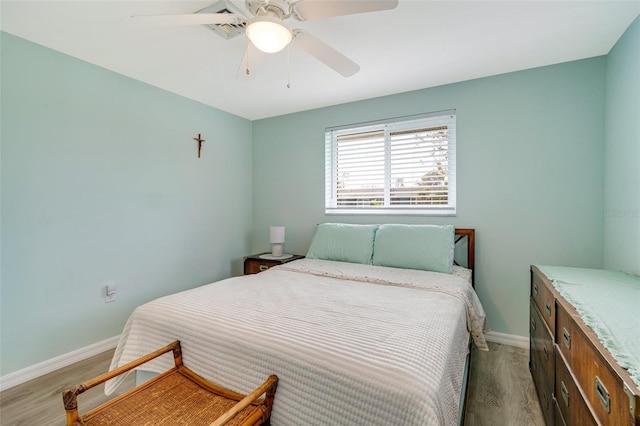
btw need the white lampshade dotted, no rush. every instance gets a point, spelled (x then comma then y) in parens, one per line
(277, 235)
(268, 34)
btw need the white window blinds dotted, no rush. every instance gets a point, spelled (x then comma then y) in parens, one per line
(399, 166)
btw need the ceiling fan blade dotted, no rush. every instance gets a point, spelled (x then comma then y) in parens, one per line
(190, 19)
(313, 9)
(325, 53)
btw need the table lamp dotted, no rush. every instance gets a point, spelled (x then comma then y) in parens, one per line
(277, 239)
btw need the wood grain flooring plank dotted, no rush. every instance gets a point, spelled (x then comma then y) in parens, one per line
(501, 391)
(39, 401)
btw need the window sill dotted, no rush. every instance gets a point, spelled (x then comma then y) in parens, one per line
(448, 211)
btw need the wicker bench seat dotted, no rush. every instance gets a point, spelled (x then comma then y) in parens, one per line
(175, 397)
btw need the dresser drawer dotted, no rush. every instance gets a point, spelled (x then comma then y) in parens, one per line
(602, 388)
(544, 299)
(544, 389)
(542, 345)
(557, 415)
(570, 399)
(541, 364)
(545, 396)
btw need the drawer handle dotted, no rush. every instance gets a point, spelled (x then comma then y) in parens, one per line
(263, 268)
(632, 399)
(548, 307)
(533, 324)
(535, 289)
(566, 338)
(565, 393)
(603, 395)
(546, 353)
(546, 400)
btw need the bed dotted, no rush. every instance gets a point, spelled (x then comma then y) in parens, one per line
(352, 343)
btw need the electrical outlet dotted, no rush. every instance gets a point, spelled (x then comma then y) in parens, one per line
(110, 293)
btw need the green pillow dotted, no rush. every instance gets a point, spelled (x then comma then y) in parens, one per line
(343, 242)
(425, 247)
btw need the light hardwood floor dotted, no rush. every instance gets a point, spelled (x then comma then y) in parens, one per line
(39, 401)
(500, 391)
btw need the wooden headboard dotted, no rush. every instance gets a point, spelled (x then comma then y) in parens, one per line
(470, 235)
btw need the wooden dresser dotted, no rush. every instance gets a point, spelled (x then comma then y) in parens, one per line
(577, 380)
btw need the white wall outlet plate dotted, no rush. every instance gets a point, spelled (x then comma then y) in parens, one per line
(111, 293)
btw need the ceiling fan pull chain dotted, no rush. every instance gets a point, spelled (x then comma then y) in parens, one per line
(289, 66)
(247, 65)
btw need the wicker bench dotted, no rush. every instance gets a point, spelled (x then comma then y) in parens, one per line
(175, 397)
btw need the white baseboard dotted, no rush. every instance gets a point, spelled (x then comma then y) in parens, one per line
(21, 376)
(507, 339)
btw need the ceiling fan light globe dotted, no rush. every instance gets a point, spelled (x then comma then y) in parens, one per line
(268, 34)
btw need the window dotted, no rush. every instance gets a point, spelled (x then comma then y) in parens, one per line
(399, 166)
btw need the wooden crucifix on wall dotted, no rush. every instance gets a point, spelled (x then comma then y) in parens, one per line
(199, 140)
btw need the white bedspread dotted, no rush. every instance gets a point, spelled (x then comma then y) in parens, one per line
(351, 344)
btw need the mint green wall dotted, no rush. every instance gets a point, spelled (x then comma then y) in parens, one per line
(101, 182)
(529, 164)
(622, 154)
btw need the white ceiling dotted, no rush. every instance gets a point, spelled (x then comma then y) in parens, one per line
(420, 44)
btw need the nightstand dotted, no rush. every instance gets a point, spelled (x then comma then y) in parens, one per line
(254, 263)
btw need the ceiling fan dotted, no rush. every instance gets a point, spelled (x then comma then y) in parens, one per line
(268, 32)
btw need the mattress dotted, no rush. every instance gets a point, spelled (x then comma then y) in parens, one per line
(608, 302)
(351, 344)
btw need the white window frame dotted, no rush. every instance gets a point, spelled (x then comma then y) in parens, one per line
(436, 119)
